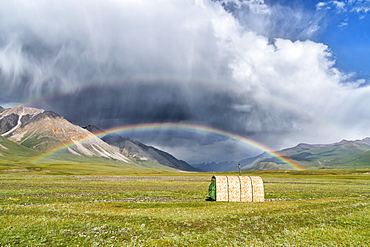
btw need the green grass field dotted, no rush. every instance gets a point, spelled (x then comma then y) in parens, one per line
(323, 208)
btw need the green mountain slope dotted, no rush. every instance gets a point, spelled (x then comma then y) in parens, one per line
(13, 152)
(17, 158)
(337, 155)
(355, 161)
(340, 155)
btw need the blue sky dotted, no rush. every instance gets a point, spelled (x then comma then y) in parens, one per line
(349, 39)
(344, 26)
(347, 35)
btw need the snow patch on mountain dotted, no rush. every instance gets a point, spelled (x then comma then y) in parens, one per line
(72, 151)
(20, 115)
(3, 147)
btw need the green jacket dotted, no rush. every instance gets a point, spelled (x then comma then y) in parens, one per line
(212, 190)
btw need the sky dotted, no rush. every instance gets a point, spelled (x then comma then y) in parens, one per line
(278, 72)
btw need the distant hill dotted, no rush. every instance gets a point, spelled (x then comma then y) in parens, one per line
(328, 155)
(13, 152)
(217, 166)
(340, 155)
(140, 152)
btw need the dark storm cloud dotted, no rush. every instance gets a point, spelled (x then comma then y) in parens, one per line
(133, 103)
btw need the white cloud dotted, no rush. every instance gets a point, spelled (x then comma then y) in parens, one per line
(321, 5)
(361, 9)
(340, 6)
(281, 93)
(358, 6)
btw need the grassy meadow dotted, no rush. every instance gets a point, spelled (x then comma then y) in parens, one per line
(302, 208)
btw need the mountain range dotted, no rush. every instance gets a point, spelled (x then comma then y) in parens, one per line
(29, 134)
(340, 155)
(139, 151)
(51, 135)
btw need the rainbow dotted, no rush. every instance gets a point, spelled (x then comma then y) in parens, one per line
(179, 126)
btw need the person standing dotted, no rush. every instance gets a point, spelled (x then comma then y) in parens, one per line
(212, 190)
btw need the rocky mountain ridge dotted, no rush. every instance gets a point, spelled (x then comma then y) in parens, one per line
(139, 151)
(46, 131)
